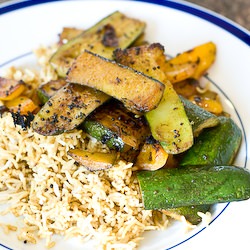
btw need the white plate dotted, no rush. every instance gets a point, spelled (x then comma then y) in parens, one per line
(178, 26)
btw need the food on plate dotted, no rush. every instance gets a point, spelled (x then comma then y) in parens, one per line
(203, 56)
(218, 146)
(67, 109)
(200, 117)
(76, 162)
(114, 126)
(206, 185)
(48, 89)
(10, 89)
(113, 31)
(168, 122)
(94, 161)
(138, 92)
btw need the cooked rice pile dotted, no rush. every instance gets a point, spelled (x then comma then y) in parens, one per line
(41, 183)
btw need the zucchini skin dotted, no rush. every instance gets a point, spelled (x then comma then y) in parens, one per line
(138, 92)
(168, 122)
(103, 134)
(67, 109)
(127, 30)
(215, 146)
(199, 117)
(206, 185)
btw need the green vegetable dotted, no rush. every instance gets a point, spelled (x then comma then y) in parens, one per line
(193, 185)
(199, 117)
(216, 141)
(168, 122)
(67, 109)
(138, 92)
(215, 146)
(113, 31)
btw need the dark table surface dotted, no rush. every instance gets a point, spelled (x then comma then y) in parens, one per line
(236, 10)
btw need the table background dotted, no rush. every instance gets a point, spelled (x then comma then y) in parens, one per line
(236, 10)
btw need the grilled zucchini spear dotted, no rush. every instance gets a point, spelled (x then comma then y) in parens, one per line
(67, 109)
(113, 31)
(199, 117)
(138, 92)
(168, 122)
(215, 146)
(193, 185)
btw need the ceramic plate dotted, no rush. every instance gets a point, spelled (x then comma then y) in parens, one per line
(179, 26)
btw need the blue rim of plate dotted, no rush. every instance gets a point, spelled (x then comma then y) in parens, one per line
(212, 17)
(193, 9)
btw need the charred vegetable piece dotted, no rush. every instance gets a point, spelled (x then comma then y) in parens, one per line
(152, 156)
(215, 146)
(67, 109)
(113, 125)
(129, 154)
(201, 120)
(199, 117)
(69, 33)
(179, 72)
(114, 31)
(167, 188)
(168, 122)
(10, 89)
(103, 134)
(3, 109)
(138, 92)
(21, 104)
(202, 55)
(22, 120)
(48, 89)
(94, 161)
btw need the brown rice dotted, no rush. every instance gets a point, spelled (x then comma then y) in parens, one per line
(43, 185)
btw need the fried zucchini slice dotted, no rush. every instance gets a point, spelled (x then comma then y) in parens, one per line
(113, 31)
(138, 92)
(169, 123)
(113, 125)
(94, 161)
(67, 109)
